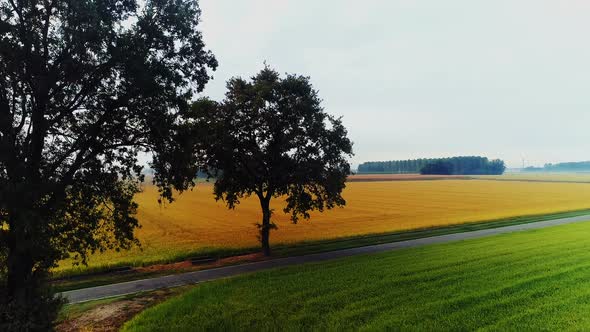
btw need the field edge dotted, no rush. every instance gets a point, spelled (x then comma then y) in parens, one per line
(103, 277)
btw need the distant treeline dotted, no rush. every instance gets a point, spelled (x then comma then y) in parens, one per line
(581, 166)
(454, 165)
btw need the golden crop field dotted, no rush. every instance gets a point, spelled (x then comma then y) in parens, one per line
(195, 221)
(549, 177)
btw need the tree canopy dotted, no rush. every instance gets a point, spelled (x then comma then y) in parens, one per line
(460, 165)
(270, 137)
(85, 86)
(439, 167)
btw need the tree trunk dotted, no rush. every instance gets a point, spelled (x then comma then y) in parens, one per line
(27, 304)
(20, 279)
(265, 226)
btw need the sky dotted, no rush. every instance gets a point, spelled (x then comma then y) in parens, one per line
(413, 79)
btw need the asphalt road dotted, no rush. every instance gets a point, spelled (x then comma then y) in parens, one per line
(130, 287)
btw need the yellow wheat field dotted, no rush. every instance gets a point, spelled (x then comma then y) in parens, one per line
(549, 177)
(195, 221)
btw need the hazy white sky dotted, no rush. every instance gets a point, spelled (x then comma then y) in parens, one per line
(504, 79)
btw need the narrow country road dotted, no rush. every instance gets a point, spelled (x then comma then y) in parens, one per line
(99, 292)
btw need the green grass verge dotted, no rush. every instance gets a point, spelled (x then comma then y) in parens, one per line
(76, 310)
(533, 280)
(73, 311)
(310, 247)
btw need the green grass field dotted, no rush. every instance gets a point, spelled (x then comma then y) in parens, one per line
(534, 280)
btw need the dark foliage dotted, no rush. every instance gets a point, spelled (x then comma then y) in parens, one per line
(270, 137)
(439, 167)
(86, 85)
(461, 166)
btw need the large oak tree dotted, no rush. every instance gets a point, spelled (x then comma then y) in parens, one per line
(85, 86)
(270, 137)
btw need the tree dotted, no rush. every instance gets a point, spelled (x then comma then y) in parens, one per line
(496, 167)
(439, 167)
(270, 137)
(460, 165)
(84, 87)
